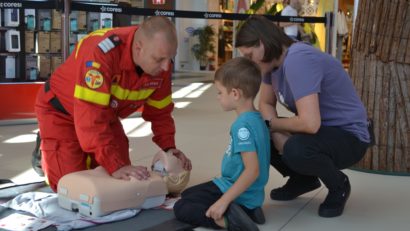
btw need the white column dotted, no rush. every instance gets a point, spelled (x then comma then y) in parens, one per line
(335, 22)
(355, 8)
(184, 60)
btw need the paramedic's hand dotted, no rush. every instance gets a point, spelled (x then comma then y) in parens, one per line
(124, 173)
(217, 210)
(186, 163)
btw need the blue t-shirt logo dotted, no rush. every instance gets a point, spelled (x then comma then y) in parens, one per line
(228, 150)
(243, 134)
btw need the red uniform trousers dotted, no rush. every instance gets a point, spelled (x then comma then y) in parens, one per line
(61, 150)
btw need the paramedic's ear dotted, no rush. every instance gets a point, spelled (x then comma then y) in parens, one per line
(171, 170)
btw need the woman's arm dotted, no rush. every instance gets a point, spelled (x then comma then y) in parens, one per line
(267, 102)
(246, 179)
(307, 119)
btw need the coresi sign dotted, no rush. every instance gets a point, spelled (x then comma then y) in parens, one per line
(11, 4)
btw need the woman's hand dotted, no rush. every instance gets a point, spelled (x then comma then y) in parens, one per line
(279, 139)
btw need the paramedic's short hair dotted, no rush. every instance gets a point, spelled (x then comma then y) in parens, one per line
(240, 73)
(156, 24)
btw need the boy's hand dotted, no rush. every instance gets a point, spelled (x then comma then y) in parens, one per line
(217, 210)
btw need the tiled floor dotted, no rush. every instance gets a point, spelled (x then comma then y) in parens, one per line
(377, 202)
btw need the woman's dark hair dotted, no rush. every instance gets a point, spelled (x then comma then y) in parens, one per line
(258, 28)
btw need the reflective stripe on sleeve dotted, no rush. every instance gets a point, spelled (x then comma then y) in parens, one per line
(91, 96)
(125, 94)
(160, 103)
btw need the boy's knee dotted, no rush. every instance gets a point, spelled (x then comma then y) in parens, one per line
(178, 208)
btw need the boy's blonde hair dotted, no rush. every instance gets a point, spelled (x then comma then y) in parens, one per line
(240, 73)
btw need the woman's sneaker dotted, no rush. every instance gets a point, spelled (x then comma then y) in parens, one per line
(36, 157)
(294, 187)
(335, 201)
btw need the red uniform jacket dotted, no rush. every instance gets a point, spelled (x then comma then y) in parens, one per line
(99, 83)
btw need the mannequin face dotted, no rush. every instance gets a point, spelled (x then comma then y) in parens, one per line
(154, 55)
(171, 170)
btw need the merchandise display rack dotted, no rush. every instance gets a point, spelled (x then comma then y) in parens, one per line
(25, 60)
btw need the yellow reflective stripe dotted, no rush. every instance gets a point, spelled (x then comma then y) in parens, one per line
(100, 32)
(160, 103)
(141, 94)
(125, 94)
(118, 92)
(92, 96)
(79, 45)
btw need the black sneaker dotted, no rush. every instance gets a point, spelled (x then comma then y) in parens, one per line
(294, 187)
(335, 200)
(256, 215)
(36, 157)
(238, 220)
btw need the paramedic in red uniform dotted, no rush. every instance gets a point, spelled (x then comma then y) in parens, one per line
(110, 74)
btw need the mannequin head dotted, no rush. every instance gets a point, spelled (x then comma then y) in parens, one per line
(171, 170)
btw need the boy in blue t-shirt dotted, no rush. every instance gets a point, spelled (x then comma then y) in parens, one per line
(234, 200)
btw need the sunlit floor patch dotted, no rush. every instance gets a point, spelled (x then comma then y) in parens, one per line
(199, 92)
(130, 124)
(28, 176)
(186, 90)
(182, 104)
(141, 131)
(26, 138)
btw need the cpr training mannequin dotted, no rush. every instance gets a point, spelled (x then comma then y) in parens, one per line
(95, 193)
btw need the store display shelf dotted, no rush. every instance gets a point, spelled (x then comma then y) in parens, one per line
(8, 53)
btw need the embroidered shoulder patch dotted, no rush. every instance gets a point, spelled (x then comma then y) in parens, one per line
(94, 79)
(109, 43)
(92, 64)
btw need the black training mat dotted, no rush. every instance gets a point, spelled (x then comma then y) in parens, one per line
(147, 220)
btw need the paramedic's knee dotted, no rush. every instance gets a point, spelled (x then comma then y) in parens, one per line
(60, 158)
(49, 162)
